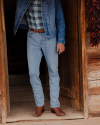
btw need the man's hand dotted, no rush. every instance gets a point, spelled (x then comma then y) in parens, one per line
(60, 48)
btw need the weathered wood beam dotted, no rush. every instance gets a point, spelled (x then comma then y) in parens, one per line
(84, 58)
(4, 84)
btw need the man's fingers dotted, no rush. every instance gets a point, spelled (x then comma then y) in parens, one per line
(60, 48)
(60, 51)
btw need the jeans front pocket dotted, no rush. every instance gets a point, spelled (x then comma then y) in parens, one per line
(29, 34)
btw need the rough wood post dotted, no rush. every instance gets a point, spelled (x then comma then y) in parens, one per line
(84, 59)
(3, 67)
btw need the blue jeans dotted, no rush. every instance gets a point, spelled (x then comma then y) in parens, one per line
(37, 45)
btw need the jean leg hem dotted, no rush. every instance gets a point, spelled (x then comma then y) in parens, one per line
(39, 105)
(55, 106)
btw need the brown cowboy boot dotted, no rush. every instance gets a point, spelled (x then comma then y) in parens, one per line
(38, 111)
(57, 111)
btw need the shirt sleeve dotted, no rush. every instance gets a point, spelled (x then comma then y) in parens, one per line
(60, 22)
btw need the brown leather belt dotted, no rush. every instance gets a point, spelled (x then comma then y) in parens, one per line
(36, 30)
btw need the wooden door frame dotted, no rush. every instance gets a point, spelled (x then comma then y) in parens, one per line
(4, 81)
(83, 43)
(4, 84)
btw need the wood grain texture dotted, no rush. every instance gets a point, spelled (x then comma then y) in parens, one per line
(94, 91)
(2, 80)
(68, 93)
(69, 60)
(94, 114)
(93, 57)
(84, 59)
(80, 55)
(94, 103)
(68, 101)
(3, 66)
(93, 67)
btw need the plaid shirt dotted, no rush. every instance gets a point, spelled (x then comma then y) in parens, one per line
(34, 15)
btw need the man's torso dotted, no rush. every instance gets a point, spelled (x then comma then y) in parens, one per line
(48, 15)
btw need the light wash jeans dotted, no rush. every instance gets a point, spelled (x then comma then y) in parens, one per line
(37, 45)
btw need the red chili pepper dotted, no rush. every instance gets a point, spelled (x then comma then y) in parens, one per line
(94, 21)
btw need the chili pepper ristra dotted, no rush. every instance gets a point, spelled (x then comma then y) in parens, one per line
(94, 21)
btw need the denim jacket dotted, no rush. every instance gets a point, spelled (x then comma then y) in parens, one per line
(52, 14)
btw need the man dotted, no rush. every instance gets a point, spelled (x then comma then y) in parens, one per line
(45, 22)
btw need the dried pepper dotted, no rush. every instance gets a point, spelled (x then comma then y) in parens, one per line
(94, 21)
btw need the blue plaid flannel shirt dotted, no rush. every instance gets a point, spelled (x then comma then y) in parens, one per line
(34, 15)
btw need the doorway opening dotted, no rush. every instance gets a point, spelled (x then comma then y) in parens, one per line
(22, 103)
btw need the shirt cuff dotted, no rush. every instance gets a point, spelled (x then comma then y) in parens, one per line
(61, 41)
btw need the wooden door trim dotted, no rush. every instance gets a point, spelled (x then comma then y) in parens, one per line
(4, 82)
(2, 79)
(84, 77)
